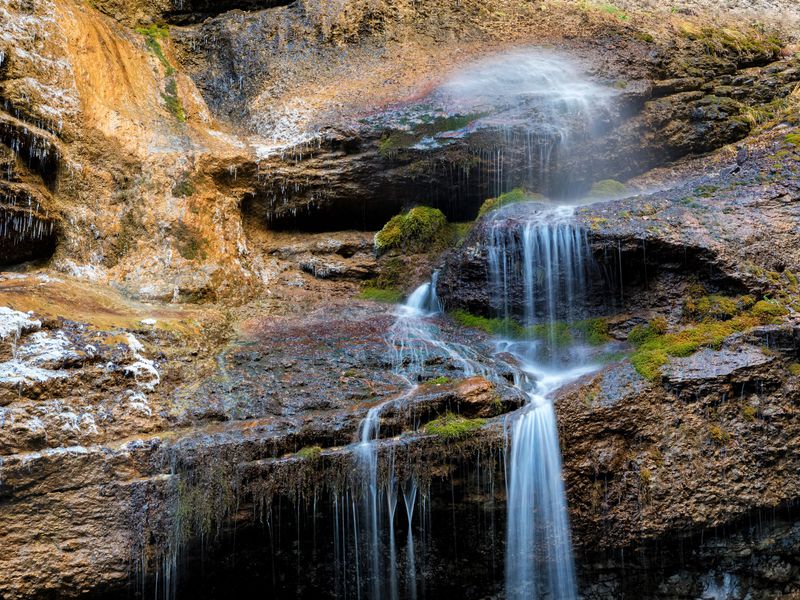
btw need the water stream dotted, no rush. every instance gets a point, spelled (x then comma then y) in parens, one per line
(540, 267)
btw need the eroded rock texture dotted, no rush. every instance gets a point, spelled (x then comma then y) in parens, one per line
(180, 359)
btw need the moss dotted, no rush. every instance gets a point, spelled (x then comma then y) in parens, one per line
(392, 143)
(793, 139)
(556, 333)
(438, 381)
(794, 369)
(653, 350)
(443, 124)
(190, 244)
(607, 188)
(420, 229)
(705, 191)
(768, 311)
(718, 435)
(726, 41)
(646, 475)
(513, 197)
(716, 307)
(389, 295)
(644, 37)
(459, 232)
(172, 101)
(495, 326)
(395, 141)
(451, 426)
(593, 331)
(614, 11)
(152, 34)
(749, 413)
(309, 453)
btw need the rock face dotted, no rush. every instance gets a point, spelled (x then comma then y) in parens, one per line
(702, 448)
(720, 227)
(173, 369)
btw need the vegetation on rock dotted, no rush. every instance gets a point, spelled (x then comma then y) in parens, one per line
(721, 318)
(593, 332)
(389, 295)
(607, 188)
(420, 229)
(309, 452)
(514, 196)
(452, 426)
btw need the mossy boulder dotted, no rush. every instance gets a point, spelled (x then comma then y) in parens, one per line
(607, 188)
(420, 229)
(514, 196)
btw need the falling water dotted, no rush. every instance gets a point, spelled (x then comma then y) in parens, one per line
(539, 269)
(541, 108)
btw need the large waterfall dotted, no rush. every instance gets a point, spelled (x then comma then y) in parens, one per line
(540, 271)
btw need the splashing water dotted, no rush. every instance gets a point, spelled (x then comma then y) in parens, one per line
(541, 107)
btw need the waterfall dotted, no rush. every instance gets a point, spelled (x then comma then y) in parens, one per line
(539, 268)
(540, 273)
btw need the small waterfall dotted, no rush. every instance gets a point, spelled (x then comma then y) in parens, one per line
(542, 110)
(539, 268)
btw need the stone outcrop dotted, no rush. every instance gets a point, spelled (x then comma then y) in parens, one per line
(170, 367)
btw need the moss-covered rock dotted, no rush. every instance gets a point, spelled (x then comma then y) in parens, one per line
(451, 426)
(512, 197)
(607, 188)
(418, 230)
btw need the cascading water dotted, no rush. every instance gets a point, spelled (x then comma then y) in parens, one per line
(412, 339)
(539, 270)
(539, 109)
(540, 267)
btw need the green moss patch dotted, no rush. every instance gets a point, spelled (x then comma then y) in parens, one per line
(607, 188)
(388, 295)
(418, 230)
(153, 35)
(438, 381)
(614, 11)
(309, 453)
(395, 141)
(494, 326)
(451, 426)
(793, 139)
(725, 41)
(723, 317)
(514, 196)
(593, 332)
